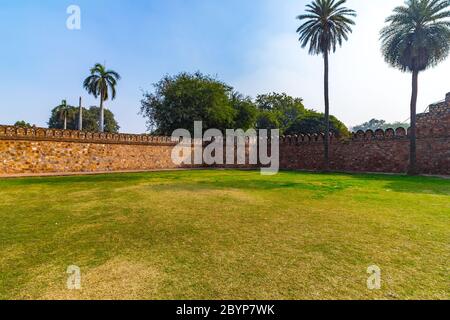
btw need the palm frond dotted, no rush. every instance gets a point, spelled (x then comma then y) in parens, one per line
(417, 35)
(101, 81)
(326, 25)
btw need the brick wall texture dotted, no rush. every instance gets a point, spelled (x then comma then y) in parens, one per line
(39, 150)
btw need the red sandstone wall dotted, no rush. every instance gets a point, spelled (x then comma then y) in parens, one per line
(388, 155)
(380, 151)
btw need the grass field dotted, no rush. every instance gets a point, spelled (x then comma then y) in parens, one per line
(225, 235)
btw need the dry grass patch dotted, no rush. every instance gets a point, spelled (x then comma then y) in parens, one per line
(117, 279)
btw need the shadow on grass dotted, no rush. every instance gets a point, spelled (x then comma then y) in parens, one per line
(408, 184)
(426, 187)
(91, 178)
(252, 185)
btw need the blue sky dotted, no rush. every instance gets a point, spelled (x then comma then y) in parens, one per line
(250, 44)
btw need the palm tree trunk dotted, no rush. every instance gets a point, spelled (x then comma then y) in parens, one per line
(80, 116)
(102, 115)
(327, 115)
(65, 121)
(412, 170)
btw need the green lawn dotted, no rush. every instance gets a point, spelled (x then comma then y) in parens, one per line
(225, 235)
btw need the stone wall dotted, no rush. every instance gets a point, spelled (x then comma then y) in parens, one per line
(379, 151)
(369, 152)
(38, 150)
(28, 151)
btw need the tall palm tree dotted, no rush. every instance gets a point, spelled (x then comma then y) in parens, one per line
(80, 115)
(63, 112)
(102, 83)
(327, 23)
(416, 38)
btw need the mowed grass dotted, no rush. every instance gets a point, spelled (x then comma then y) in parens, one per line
(225, 235)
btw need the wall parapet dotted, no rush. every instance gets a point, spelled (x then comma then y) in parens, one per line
(369, 135)
(44, 134)
(433, 124)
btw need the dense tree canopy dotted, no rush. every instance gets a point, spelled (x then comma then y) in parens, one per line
(278, 111)
(312, 122)
(90, 120)
(22, 124)
(246, 112)
(180, 100)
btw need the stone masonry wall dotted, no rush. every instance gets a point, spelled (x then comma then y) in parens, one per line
(38, 150)
(25, 151)
(369, 153)
(379, 151)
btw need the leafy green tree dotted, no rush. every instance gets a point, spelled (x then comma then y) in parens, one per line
(416, 37)
(312, 122)
(278, 111)
(62, 112)
(246, 113)
(102, 83)
(90, 120)
(180, 100)
(269, 120)
(91, 123)
(325, 25)
(22, 124)
(289, 115)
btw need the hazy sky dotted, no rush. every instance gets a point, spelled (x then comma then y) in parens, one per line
(250, 44)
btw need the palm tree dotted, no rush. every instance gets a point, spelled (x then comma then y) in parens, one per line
(416, 38)
(80, 116)
(100, 83)
(63, 111)
(326, 24)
